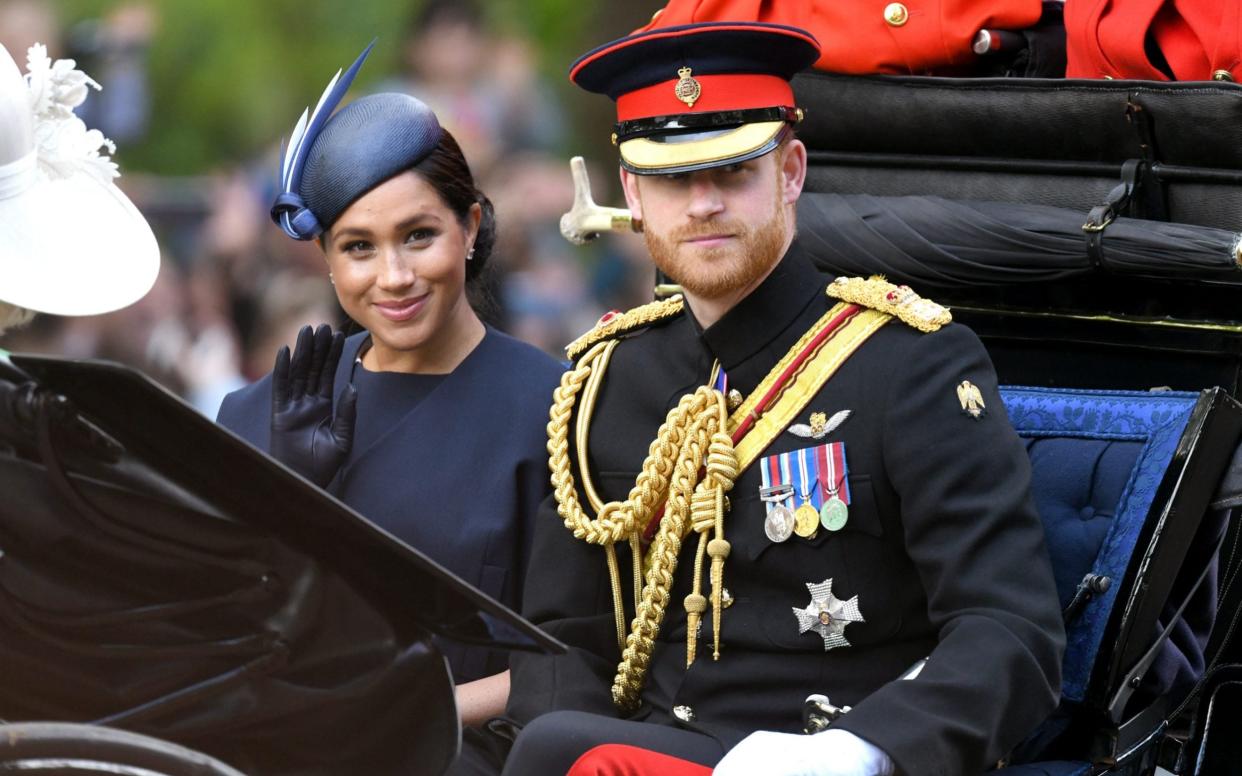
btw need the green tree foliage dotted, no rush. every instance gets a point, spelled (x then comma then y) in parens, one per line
(229, 77)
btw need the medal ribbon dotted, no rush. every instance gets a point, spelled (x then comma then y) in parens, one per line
(808, 489)
(831, 460)
(794, 381)
(787, 477)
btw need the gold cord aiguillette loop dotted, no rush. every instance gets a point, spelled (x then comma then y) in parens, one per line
(690, 462)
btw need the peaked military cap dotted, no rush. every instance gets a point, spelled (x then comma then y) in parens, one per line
(698, 95)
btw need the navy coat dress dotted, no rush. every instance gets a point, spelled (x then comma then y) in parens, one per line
(454, 465)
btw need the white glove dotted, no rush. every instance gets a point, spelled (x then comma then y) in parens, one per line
(830, 753)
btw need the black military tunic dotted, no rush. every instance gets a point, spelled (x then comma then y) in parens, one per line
(942, 548)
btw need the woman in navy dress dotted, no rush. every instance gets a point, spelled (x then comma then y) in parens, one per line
(429, 423)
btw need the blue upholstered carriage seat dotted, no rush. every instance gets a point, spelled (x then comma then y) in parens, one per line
(1097, 458)
(1079, 484)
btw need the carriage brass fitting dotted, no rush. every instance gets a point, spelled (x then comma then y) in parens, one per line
(818, 713)
(586, 220)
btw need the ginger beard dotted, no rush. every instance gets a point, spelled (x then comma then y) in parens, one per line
(714, 272)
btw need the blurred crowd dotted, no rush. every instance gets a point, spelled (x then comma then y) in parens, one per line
(232, 288)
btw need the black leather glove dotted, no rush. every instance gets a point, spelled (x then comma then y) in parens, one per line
(305, 436)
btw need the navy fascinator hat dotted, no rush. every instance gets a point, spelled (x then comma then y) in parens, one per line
(333, 160)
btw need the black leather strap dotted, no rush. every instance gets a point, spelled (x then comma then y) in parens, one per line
(1105, 213)
(1140, 119)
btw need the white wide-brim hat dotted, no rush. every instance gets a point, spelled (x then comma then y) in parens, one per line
(71, 243)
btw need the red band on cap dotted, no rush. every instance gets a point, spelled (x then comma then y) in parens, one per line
(741, 91)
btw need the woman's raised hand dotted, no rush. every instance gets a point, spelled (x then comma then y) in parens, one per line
(305, 435)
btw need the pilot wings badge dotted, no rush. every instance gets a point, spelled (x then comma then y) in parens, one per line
(821, 425)
(972, 400)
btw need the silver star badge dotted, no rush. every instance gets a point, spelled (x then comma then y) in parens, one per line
(820, 426)
(827, 615)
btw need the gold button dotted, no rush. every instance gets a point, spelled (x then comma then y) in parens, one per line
(896, 14)
(734, 399)
(726, 598)
(1222, 75)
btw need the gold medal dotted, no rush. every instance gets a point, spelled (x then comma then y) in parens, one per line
(806, 520)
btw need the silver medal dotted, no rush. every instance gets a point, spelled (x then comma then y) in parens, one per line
(779, 524)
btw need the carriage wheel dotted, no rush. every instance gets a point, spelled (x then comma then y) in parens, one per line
(67, 749)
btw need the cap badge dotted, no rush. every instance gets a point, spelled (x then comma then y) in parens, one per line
(687, 89)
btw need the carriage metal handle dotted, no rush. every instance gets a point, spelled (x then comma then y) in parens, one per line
(818, 712)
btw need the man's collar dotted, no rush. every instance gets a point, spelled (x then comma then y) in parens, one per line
(767, 311)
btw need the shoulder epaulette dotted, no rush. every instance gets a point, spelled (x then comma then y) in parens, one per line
(615, 323)
(898, 301)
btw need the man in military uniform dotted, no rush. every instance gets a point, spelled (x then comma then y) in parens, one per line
(814, 482)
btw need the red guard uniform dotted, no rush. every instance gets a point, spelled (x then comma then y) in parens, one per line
(1197, 39)
(873, 36)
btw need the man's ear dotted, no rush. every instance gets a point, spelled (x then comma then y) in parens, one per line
(793, 170)
(629, 184)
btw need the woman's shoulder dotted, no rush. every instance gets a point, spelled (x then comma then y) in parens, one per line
(535, 365)
(247, 411)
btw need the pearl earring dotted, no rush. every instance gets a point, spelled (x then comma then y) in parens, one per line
(331, 279)
(470, 255)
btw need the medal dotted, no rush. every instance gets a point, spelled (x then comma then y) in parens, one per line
(827, 615)
(806, 516)
(779, 524)
(806, 521)
(834, 514)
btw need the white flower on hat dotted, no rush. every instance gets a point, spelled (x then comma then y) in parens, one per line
(65, 146)
(54, 171)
